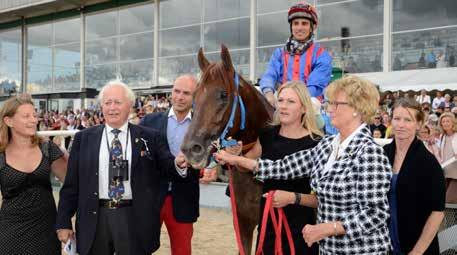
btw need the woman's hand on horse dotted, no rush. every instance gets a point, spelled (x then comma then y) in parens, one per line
(282, 198)
(236, 149)
(243, 164)
(223, 157)
(315, 233)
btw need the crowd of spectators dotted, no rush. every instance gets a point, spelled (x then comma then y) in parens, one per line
(437, 108)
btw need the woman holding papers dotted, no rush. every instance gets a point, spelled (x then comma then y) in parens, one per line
(417, 190)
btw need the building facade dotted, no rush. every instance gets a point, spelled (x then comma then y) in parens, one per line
(63, 51)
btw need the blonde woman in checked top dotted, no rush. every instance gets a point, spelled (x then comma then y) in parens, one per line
(348, 171)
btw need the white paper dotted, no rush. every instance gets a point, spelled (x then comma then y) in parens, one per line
(70, 247)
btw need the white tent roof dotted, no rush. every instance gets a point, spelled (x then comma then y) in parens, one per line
(429, 79)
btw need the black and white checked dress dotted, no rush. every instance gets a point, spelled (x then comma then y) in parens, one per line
(353, 191)
(28, 212)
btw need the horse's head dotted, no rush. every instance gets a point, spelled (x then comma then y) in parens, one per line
(212, 107)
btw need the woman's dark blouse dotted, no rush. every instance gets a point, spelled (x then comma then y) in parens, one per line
(275, 146)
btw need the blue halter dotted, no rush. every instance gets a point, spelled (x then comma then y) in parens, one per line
(237, 100)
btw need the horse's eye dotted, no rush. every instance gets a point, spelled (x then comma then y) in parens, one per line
(223, 95)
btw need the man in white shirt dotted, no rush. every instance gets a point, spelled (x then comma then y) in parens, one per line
(437, 100)
(423, 97)
(113, 182)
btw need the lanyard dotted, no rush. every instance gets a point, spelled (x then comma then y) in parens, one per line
(126, 143)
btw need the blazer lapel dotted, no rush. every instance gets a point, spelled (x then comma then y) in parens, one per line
(135, 136)
(347, 154)
(164, 121)
(96, 137)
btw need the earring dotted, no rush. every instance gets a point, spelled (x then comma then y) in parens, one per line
(354, 114)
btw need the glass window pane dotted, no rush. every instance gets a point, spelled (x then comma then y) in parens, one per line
(263, 57)
(419, 14)
(101, 25)
(136, 19)
(10, 61)
(39, 54)
(224, 9)
(320, 2)
(140, 46)
(97, 76)
(137, 74)
(273, 29)
(40, 35)
(240, 60)
(274, 6)
(171, 68)
(234, 34)
(179, 13)
(39, 79)
(67, 31)
(101, 51)
(66, 67)
(179, 41)
(424, 49)
(339, 20)
(359, 55)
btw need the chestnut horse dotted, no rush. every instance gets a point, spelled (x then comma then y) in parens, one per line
(214, 101)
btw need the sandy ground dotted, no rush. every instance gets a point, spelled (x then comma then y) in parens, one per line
(213, 234)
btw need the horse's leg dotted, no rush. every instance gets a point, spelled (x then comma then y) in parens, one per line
(248, 192)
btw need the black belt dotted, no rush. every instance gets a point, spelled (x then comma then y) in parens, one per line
(111, 204)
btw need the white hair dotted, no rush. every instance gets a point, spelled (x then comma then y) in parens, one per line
(117, 83)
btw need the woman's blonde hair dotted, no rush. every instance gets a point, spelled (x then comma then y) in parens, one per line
(9, 109)
(452, 117)
(308, 119)
(361, 95)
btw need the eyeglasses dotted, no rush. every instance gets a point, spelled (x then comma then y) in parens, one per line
(334, 104)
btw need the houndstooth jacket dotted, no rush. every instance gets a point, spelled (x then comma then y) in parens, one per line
(353, 191)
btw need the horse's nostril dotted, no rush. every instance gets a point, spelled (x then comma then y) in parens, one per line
(197, 148)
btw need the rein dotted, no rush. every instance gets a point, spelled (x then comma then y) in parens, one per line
(278, 224)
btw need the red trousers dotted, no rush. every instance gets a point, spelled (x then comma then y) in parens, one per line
(180, 233)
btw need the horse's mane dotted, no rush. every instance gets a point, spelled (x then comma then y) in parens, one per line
(218, 70)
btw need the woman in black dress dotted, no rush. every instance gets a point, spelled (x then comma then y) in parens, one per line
(293, 129)
(28, 211)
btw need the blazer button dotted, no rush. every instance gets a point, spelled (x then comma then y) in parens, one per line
(96, 173)
(95, 194)
(94, 212)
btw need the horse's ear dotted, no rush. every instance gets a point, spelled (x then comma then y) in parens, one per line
(226, 59)
(202, 61)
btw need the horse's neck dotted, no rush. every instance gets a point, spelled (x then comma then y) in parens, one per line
(258, 112)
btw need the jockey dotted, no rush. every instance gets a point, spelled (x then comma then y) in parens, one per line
(301, 58)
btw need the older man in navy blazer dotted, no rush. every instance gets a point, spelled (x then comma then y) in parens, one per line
(112, 183)
(179, 200)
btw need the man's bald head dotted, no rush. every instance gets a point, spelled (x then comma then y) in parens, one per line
(182, 93)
